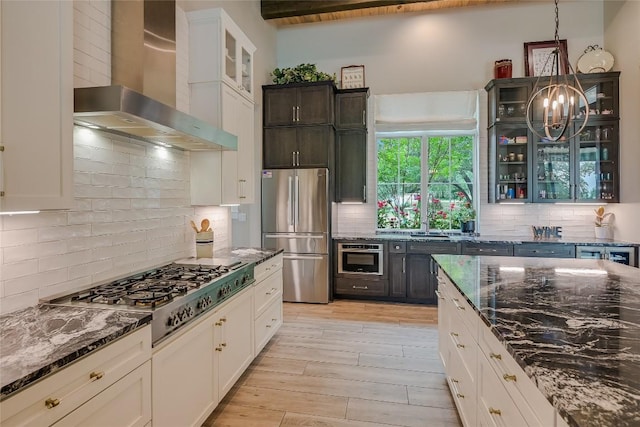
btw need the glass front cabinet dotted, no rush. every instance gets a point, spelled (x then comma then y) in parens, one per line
(526, 168)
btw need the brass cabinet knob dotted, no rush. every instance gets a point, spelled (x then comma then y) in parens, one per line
(508, 377)
(495, 356)
(218, 348)
(96, 375)
(51, 402)
(494, 411)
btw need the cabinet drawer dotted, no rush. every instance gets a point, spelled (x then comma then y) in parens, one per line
(463, 391)
(469, 248)
(267, 267)
(464, 347)
(361, 287)
(267, 291)
(126, 403)
(544, 250)
(267, 325)
(433, 247)
(397, 247)
(495, 406)
(77, 383)
(534, 407)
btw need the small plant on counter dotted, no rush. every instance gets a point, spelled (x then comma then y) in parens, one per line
(299, 74)
(601, 215)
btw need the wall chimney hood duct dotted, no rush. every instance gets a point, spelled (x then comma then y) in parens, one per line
(141, 101)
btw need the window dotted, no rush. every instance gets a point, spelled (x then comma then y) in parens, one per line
(429, 166)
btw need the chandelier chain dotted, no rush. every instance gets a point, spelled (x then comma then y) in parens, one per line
(557, 38)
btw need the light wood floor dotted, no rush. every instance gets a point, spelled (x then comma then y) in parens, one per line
(345, 364)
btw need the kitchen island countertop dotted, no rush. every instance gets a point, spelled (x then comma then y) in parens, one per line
(573, 325)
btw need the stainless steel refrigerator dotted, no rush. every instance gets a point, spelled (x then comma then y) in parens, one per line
(296, 217)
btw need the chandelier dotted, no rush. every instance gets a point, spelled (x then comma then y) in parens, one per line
(555, 96)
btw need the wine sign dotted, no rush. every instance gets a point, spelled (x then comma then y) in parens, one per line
(545, 232)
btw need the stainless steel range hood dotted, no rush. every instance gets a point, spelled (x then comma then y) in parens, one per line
(141, 101)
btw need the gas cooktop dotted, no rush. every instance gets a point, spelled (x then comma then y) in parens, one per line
(175, 294)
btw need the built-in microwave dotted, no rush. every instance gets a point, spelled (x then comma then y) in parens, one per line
(361, 258)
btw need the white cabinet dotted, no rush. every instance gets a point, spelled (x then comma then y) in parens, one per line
(219, 50)
(184, 391)
(36, 112)
(267, 301)
(221, 93)
(233, 341)
(90, 387)
(193, 370)
(223, 177)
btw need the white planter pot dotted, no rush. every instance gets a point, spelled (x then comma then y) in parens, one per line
(603, 232)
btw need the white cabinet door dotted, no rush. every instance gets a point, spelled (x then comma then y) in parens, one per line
(220, 50)
(36, 91)
(237, 166)
(233, 340)
(127, 403)
(183, 388)
(223, 177)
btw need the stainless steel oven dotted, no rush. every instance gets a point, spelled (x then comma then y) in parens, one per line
(361, 258)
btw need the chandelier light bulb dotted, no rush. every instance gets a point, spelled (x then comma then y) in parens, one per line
(561, 99)
(545, 103)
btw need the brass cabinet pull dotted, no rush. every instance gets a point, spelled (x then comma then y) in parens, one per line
(453, 334)
(224, 319)
(224, 344)
(51, 402)
(271, 291)
(453, 380)
(218, 348)
(495, 356)
(460, 395)
(460, 345)
(275, 319)
(508, 377)
(96, 375)
(495, 411)
(218, 323)
(268, 326)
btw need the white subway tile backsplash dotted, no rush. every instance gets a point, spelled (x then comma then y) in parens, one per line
(9, 303)
(61, 233)
(128, 193)
(18, 237)
(34, 281)
(110, 180)
(18, 269)
(110, 204)
(88, 217)
(44, 219)
(63, 260)
(31, 251)
(86, 243)
(87, 191)
(62, 288)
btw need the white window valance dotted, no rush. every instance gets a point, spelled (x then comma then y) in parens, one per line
(454, 110)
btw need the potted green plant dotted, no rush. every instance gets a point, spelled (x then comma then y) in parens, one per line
(300, 74)
(602, 229)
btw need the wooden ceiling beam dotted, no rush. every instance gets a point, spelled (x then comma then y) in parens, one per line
(273, 9)
(286, 12)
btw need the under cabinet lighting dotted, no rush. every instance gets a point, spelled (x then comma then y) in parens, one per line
(512, 269)
(19, 212)
(582, 271)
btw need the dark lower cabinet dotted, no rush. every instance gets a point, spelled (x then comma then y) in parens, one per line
(397, 275)
(361, 287)
(479, 248)
(421, 285)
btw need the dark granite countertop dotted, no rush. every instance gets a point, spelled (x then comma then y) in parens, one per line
(572, 324)
(479, 239)
(40, 340)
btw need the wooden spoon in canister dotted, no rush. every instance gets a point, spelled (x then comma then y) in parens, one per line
(204, 225)
(193, 225)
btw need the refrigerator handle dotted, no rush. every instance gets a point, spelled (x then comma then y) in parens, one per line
(296, 196)
(291, 236)
(290, 202)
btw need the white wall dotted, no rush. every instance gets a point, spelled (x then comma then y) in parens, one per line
(622, 39)
(454, 49)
